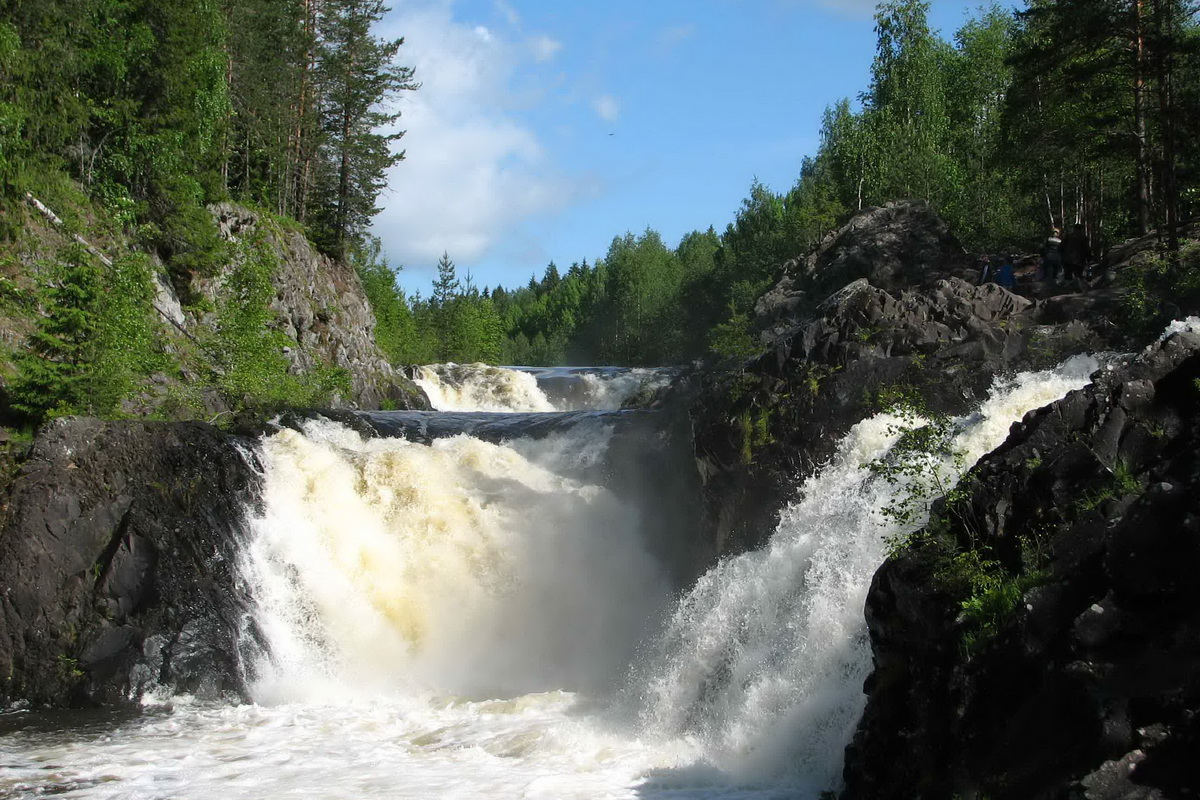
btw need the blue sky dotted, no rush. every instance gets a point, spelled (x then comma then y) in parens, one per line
(543, 129)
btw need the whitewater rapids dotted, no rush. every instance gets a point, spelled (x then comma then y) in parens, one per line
(466, 619)
(480, 387)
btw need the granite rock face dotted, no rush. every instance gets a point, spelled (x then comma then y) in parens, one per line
(760, 430)
(1083, 683)
(118, 562)
(903, 245)
(320, 304)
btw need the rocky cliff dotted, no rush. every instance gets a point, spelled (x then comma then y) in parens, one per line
(1065, 663)
(318, 303)
(903, 245)
(829, 363)
(319, 316)
(118, 557)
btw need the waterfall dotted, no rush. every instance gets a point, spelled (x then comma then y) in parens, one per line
(763, 661)
(480, 387)
(463, 566)
(459, 618)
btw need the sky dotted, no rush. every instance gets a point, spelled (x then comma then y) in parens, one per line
(544, 128)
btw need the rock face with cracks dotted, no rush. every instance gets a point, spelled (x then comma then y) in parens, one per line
(1083, 679)
(118, 562)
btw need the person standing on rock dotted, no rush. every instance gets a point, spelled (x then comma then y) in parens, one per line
(1051, 257)
(1006, 276)
(1076, 253)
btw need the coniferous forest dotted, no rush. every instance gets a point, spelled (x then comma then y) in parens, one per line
(1065, 112)
(1062, 112)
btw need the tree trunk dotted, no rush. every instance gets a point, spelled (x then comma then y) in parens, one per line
(302, 150)
(1164, 63)
(1139, 119)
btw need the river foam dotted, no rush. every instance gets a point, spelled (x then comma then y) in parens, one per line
(464, 619)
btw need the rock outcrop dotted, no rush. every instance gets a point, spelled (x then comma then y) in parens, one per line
(319, 303)
(761, 429)
(1065, 664)
(903, 245)
(118, 563)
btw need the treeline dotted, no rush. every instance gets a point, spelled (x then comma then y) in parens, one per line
(1069, 111)
(159, 107)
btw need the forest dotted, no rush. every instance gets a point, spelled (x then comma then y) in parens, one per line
(1067, 111)
(1064, 111)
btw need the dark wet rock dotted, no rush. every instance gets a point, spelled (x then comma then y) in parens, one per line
(1088, 684)
(879, 313)
(761, 429)
(118, 563)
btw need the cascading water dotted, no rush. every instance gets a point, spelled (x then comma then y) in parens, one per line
(480, 387)
(462, 566)
(459, 619)
(763, 661)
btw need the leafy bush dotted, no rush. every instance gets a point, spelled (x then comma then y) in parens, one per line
(249, 361)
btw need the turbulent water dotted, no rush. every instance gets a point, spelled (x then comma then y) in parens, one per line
(466, 619)
(479, 387)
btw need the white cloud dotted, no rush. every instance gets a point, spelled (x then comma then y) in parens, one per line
(544, 48)
(508, 12)
(473, 171)
(606, 107)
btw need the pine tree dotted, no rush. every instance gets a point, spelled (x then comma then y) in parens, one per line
(358, 76)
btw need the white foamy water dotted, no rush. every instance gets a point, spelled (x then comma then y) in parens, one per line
(480, 387)
(462, 566)
(458, 621)
(1189, 325)
(762, 662)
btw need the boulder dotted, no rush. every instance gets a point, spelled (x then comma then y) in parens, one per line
(1086, 682)
(119, 563)
(903, 245)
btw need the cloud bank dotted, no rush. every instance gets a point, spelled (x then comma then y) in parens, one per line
(474, 169)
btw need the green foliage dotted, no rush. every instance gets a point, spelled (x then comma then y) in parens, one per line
(995, 596)
(396, 330)
(923, 465)
(732, 339)
(249, 362)
(357, 75)
(1121, 482)
(1157, 284)
(94, 340)
(754, 427)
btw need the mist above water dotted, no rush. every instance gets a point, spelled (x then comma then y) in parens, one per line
(460, 618)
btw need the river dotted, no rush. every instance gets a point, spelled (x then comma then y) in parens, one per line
(487, 603)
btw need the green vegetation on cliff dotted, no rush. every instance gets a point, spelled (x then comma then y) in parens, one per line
(129, 119)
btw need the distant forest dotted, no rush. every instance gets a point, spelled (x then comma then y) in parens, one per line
(1072, 111)
(1069, 110)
